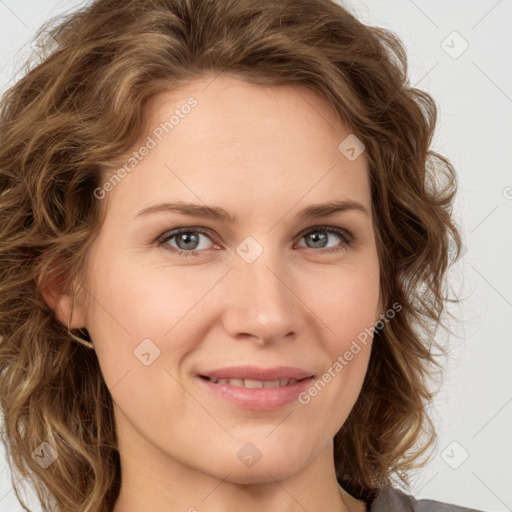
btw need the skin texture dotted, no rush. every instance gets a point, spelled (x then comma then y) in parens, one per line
(263, 154)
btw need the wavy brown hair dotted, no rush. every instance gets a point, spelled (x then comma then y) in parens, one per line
(76, 111)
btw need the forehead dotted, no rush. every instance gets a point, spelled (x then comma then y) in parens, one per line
(228, 107)
(251, 144)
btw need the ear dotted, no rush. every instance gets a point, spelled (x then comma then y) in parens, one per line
(59, 298)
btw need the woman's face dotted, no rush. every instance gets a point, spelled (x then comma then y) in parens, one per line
(271, 289)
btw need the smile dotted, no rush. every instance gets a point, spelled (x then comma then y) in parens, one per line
(253, 384)
(255, 394)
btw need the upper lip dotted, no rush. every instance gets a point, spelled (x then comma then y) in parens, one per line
(257, 373)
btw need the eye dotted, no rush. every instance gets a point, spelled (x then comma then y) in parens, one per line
(188, 240)
(319, 242)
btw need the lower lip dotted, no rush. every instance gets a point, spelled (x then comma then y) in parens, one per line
(257, 398)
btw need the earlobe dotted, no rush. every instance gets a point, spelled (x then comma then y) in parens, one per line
(67, 309)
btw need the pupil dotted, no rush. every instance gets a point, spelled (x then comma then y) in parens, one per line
(317, 238)
(187, 237)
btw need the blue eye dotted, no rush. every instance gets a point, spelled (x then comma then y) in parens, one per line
(189, 239)
(346, 238)
(185, 236)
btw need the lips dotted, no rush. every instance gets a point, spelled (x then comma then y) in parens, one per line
(255, 375)
(251, 387)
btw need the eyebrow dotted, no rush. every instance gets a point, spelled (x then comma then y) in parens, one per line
(218, 213)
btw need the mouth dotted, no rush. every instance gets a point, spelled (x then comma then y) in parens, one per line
(254, 384)
(247, 387)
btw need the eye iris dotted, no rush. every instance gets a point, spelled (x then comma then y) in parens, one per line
(318, 240)
(187, 237)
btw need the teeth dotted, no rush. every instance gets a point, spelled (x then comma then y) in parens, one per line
(248, 383)
(253, 384)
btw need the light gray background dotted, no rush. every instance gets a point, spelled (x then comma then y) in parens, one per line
(473, 411)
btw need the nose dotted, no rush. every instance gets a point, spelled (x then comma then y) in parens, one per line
(262, 301)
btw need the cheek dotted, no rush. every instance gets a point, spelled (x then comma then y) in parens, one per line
(138, 323)
(144, 314)
(140, 300)
(348, 303)
(348, 309)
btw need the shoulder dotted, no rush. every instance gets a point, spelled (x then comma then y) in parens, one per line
(390, 498)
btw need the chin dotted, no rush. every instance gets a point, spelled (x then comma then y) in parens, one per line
(264, 464)
(261, 473)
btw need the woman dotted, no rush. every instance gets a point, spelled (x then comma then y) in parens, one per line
(224, 241)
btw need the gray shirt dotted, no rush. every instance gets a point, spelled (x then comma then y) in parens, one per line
(390, 499)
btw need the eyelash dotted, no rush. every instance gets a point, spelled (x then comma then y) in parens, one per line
(347, 239)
